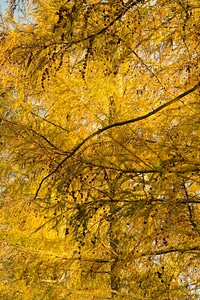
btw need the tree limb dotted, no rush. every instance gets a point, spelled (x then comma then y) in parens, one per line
(117, 124)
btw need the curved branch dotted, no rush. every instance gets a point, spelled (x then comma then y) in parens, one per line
(124, 10)
(172, 250)
(36, 133)
(117, 124)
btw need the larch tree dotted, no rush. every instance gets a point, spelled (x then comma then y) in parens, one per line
(100, 125)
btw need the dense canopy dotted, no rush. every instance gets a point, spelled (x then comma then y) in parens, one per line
(99, 150)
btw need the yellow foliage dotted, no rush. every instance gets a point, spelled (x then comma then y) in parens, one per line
(99, 137)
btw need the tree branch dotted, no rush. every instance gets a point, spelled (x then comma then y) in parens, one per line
(117, 124)
(175, 250)
(124, 10)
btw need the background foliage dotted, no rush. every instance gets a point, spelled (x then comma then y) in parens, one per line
(99, 118)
